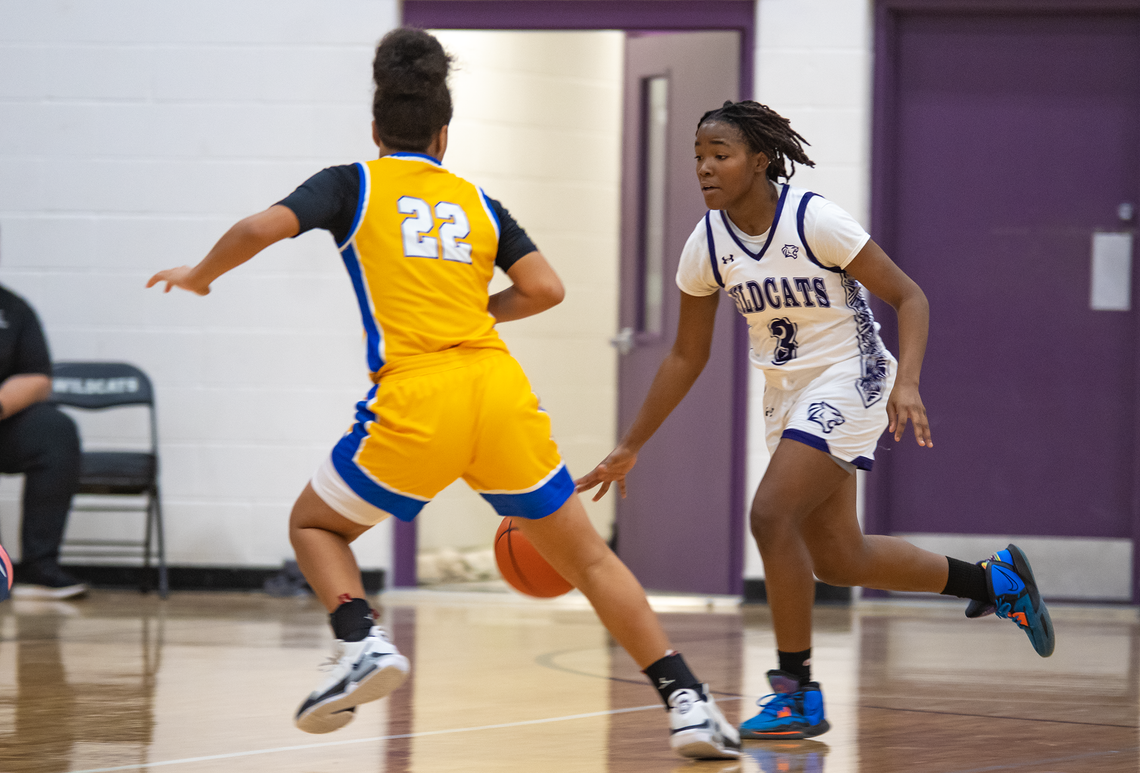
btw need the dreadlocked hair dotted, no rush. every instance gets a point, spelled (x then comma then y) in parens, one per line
(412, 102)
(765, 131)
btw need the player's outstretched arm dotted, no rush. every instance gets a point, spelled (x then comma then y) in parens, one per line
(674, 378)
(534, 289)
(879, 274)
(244, 240)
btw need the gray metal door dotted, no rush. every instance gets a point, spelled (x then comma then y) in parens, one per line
(680, 528)
(1014, 140)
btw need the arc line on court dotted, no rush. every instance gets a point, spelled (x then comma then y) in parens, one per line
(326, 744)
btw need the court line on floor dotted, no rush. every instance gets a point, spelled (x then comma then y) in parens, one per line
(326, 744)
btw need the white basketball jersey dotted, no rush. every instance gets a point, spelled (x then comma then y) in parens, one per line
(803, 311)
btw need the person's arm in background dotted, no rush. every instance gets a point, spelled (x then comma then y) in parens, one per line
(30, 381)
(24, 389)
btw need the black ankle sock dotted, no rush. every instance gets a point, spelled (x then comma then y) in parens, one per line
(966, 581)
(352, 620)
(671, 674)
(798, 664)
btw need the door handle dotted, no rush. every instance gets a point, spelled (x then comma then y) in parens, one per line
(623, 341)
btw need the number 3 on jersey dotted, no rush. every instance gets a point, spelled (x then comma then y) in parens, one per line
(453, 226)
(784, 331)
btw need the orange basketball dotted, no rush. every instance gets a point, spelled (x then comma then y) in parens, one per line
(522, 567)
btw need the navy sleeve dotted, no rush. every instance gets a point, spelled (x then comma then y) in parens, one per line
(513, 241)
(327, 200)
(23, 348)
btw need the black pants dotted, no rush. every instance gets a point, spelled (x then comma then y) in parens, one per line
(42, 443)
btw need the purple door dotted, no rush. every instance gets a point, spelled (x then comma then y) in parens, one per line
(680, 529)
(1003, 143)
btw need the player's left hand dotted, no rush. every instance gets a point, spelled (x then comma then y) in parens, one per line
(903, 404)
(182, 277)
(610, 470)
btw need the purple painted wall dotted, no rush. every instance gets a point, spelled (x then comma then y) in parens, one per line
(974, 196)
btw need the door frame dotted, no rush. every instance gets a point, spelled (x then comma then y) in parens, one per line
(884, 178)
(627, 16)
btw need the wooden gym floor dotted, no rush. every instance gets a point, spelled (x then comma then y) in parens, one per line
(209, 682)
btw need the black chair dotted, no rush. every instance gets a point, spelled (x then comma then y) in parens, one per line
(95, 386)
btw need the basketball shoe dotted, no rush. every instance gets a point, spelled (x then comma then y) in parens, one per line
(697, 729)
(360, 671)
(791, 711)
(1014, 596)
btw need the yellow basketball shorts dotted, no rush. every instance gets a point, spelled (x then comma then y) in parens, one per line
(462, 413)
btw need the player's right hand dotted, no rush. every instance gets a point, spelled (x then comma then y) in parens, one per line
(611, 470)
(182, 277)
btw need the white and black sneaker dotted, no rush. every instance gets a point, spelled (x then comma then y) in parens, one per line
(698, 729)
(360, 672)
(46, 581)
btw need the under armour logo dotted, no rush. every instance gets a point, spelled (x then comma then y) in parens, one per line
(663, 682)
(791, 251)
(727, 260)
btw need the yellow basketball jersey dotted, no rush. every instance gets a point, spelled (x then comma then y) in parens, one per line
(421, 254)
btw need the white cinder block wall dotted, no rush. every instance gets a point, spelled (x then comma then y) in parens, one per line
(133, 133)
(813, 66)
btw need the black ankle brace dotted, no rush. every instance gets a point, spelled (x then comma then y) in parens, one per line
(352, 620)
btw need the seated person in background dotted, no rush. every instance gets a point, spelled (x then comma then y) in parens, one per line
(41, 442)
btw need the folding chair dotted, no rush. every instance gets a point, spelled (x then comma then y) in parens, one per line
(96, 386)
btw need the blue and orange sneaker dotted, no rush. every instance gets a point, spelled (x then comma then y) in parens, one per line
(1014, 596)
(799, 756)
(791, 711)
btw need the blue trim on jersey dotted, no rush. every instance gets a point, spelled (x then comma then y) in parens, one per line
(418, 156)
(712, 250)
(536, 504)
(371, 330)
(343, 458)
(803, 238)
(361, 204)
(491, 212)
(807, 439)
(863, 463)
(771, 229)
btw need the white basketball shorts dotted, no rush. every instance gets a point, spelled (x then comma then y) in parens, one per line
(840, 409)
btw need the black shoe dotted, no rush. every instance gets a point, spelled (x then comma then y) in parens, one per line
(46, 581)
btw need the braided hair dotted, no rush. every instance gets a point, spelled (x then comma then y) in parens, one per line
(765, 131)
(412, 102)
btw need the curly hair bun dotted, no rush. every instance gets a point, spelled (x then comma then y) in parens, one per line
(410, 62)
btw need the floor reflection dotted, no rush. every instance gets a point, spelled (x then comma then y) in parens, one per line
(76, 694)
(209, 682)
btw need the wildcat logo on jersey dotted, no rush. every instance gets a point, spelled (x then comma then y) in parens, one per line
(825, 415)
(791, 251)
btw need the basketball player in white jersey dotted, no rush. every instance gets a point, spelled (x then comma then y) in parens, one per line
(795, 266)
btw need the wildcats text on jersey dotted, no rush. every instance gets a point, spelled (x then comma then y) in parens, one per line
(750, 297)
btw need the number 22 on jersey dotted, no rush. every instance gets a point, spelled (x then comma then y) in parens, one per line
(453, 226)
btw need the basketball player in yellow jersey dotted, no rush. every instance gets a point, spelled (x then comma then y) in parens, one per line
(448, 400)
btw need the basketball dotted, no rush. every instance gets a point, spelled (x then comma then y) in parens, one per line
(5, 574)
(522, 567)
